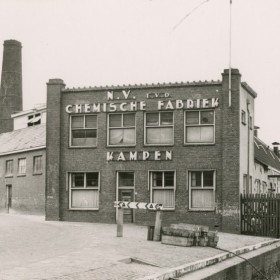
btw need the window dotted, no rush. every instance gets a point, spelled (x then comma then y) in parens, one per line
(199, 127)
(163, 188)
(202, 189)
(251, 122)
(121, 129)
(37, 165)
(126, 179)
(9, 167)
(159, 128)
(83, 131)
(243, 117)
(34, 119)
(84, 190)
(22, 166)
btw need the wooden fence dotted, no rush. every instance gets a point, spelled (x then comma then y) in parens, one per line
(260, 214)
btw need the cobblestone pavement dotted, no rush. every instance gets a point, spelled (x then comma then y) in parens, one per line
(31, 248)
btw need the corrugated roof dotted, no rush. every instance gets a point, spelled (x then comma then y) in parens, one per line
(265, 155)
(23, 139)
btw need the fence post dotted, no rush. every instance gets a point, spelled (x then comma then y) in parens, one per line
(120, 223)
(158, 225)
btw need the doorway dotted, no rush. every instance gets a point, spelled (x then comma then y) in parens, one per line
(8, 198)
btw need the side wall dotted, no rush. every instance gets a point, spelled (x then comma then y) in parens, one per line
(28, 191)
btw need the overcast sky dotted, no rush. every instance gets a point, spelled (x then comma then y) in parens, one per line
(112, 42)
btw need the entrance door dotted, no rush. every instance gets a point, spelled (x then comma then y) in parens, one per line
(127, 195)
(8, 197)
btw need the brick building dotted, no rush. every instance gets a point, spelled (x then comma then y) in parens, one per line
(185, 145)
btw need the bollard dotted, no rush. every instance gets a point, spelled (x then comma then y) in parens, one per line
(157, 230)
(120, 223)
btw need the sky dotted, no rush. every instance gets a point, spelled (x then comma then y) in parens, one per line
(114, 42)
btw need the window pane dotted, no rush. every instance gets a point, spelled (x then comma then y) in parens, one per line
(196, 179)
(192, 134)
(22, 166)
(157, 179)
(91, 121)
(37, 164)
(78, 121)
(192, 117)
(122, 136)
(126, 179)
(207, 117)
(128, 120)
(152, 119)
(202, 199)
(208, 179)
(159, 135)
(92, 179)
(166, 118)
(169, 179)
(78, 180)
(9, 167)
(84, 199)
(115, 120)
(207, 134)
(84, 137)
(165, 197)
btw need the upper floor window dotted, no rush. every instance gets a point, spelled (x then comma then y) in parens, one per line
(202, 190)
(84, 190)
(22, 166)
(121, 129)
(34, 119)
(200, 127)
(37, 165)
(159, 128)
(163, 188)
(83, 131)
(9, 167)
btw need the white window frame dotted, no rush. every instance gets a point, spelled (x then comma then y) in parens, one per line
(34, 119)
(82, 188)
(121, 127)
(151, 188)
(243, 117)
(12, 168)
(158, 126)
(21, 173)
(199, 125)
(84, 128)
(189, 171)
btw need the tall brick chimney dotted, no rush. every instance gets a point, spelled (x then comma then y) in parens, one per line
(11, 84)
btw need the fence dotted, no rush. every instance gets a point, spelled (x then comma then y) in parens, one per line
(260, 214)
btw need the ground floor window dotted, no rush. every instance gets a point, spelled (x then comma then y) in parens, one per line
(84, 190)
(202, 189)
(162, 187)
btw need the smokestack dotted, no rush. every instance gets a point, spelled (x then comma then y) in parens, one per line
(276, 148)
(11, 84)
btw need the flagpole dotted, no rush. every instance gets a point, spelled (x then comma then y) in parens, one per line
(229, 71)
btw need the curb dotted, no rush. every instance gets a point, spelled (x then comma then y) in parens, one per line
(190, 267)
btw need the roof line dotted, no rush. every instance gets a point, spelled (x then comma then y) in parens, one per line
(22, 151)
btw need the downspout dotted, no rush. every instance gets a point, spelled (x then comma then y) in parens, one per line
(248, 147)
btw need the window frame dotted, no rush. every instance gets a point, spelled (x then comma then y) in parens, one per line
(243, 117)
(199, 125)
(151, 188)
(41, 165)
(158, 126)
(122, 127)
(12, 168)
(190, 188)
(18, 169)
(69, 185)
(84, 128)
(33, 117)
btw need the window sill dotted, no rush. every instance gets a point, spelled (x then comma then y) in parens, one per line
(82, 147)
(83, 209)
(35, 174)
(158, 145)
(9, 176)
(21, 175)
(121, 146)
(201, 210)
(199, 144)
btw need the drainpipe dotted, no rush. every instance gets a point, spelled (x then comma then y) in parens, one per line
(248, 147)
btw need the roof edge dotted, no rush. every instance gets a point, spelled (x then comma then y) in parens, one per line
(249, 89)
(23, 151)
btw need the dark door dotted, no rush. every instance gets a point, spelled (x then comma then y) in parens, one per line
(8, 197)
(127, 195)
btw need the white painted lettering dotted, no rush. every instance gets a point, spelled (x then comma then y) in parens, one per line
(113, 107)
(110, 95)
(87, 108)
(157, 155)
(169, 105)
(132, 155)
(146, 155)
(142, 105)
(68, 109)
(205, 103)
(189, 103)
(168, 155)
(179, 104)
(133, 106)
(121, 157)
(96, 107)
(110, 156)
(197, 103)
(104, 107)
(166, 94)
(215, 102)
(122, 107)
(126, 93)
(160, 105)
(78, 108)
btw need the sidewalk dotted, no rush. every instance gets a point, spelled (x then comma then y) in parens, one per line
(31, 248)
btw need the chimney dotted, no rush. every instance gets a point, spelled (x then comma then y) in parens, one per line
(256, 130)
(276, 148)
(11, 84)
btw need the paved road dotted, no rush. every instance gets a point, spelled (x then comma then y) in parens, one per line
(31, 248)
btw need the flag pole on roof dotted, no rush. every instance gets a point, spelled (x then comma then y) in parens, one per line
(229, 70)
